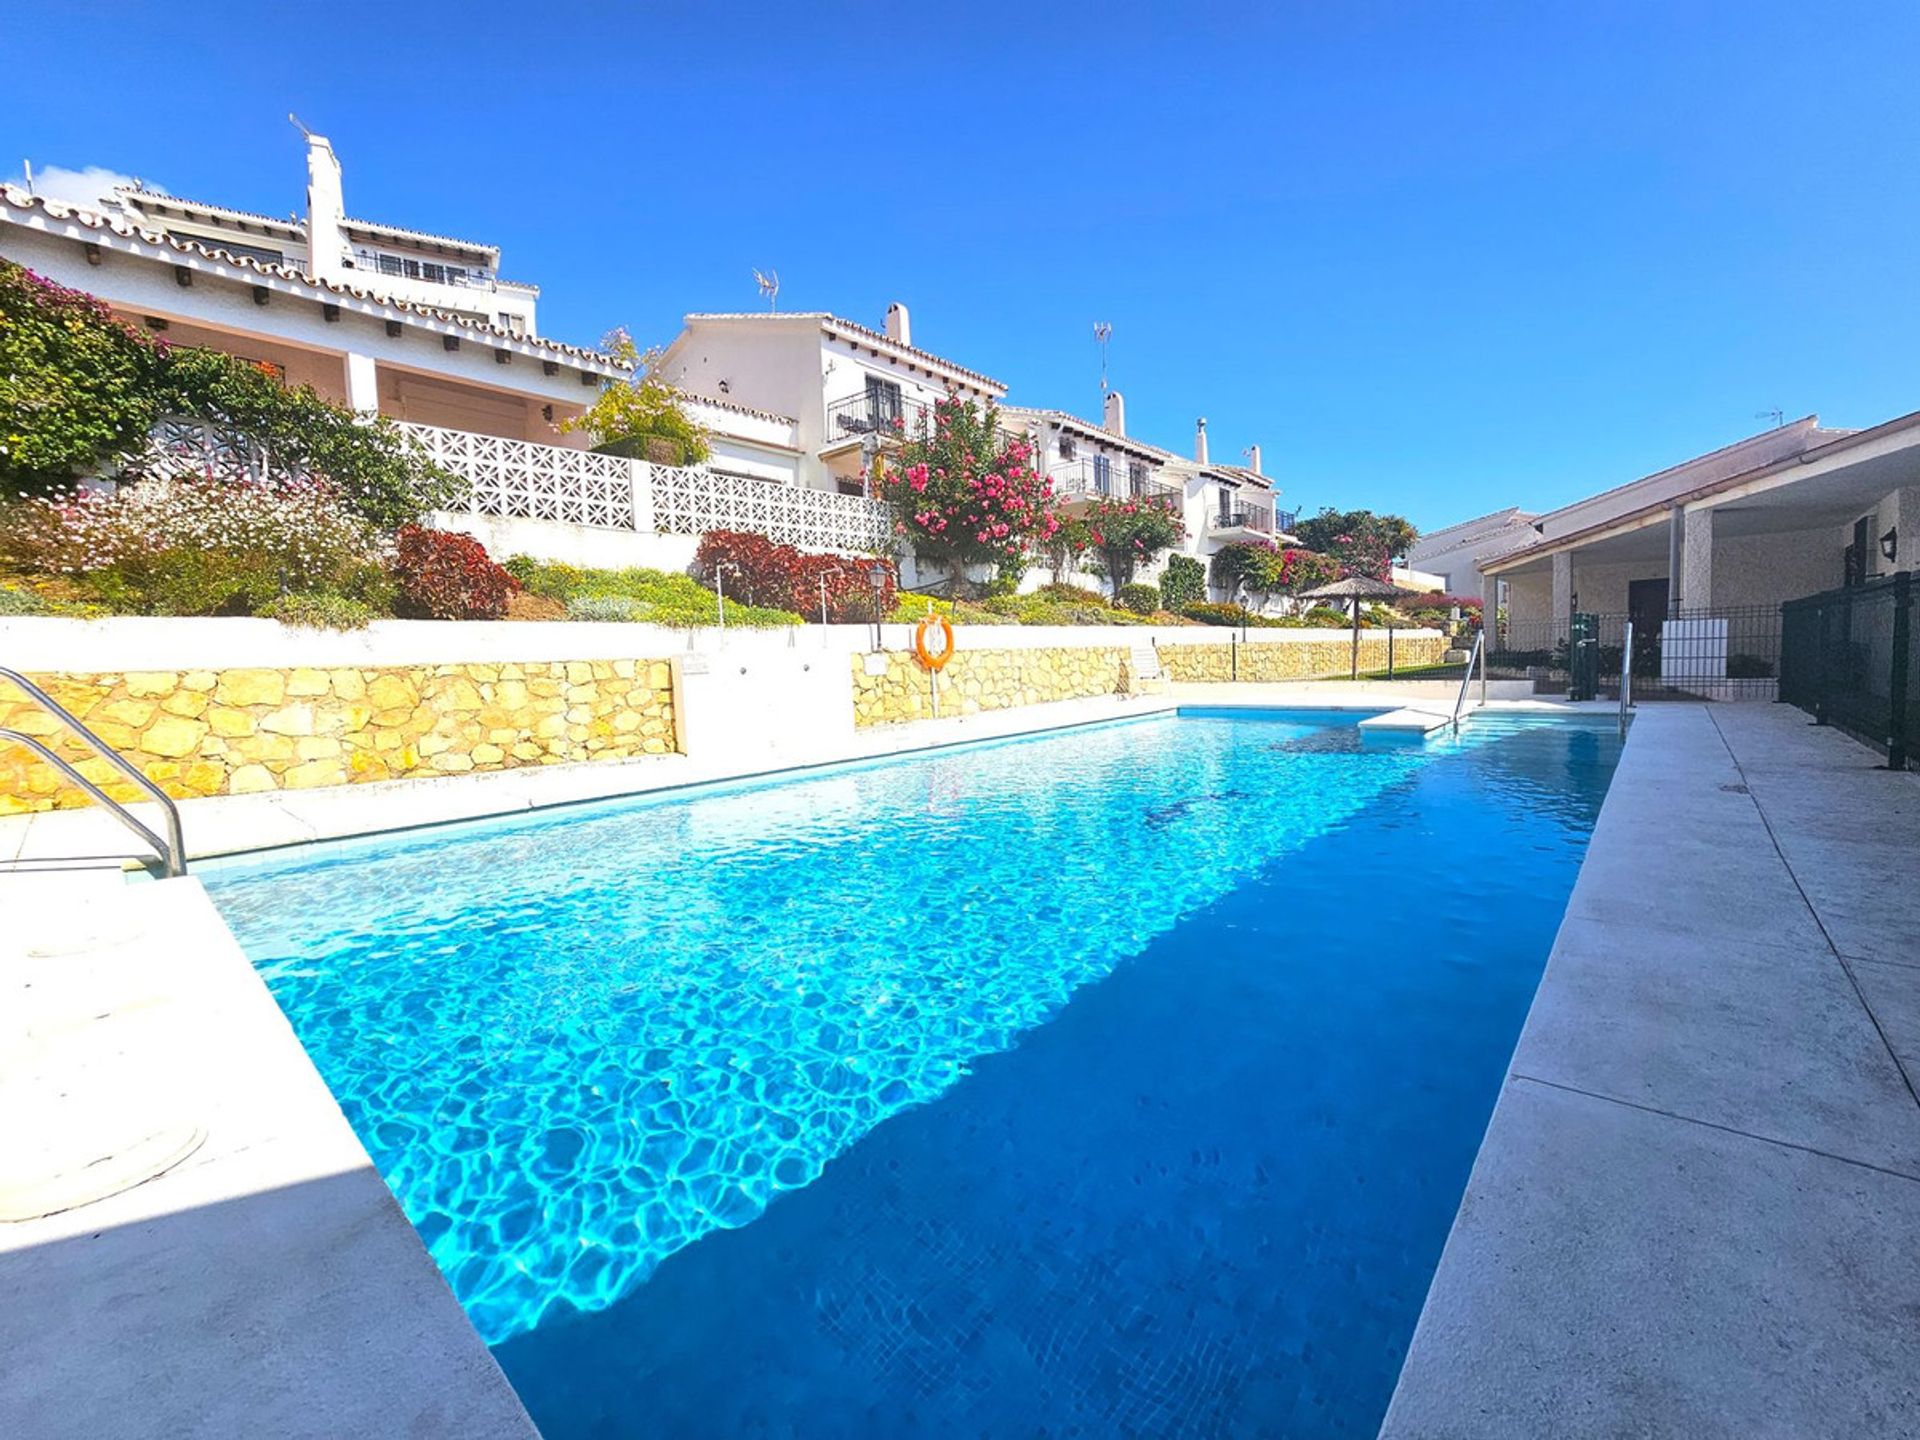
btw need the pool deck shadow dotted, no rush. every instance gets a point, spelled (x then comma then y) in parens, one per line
(1696, 1211)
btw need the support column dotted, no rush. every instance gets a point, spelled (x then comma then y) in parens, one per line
(1696, 561)
(1562, 593)
(1490, 609)
(363, 384)
(1906, 527)
(1676, 556)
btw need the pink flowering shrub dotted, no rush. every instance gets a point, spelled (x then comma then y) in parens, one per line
(964, 493)
(195, 546)
(1132, 532)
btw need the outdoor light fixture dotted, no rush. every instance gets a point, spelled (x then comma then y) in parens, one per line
(1890, 543)
(877, 577)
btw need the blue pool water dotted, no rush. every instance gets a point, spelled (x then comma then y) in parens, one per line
(1121, 1081)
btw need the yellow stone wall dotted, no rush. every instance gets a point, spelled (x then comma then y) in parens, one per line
(1297, 659)
(976, 680)
(231, 732)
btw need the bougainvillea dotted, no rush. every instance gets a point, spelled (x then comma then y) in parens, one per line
(80, 390)
(964, 493)
(77, 384)
(760, 572)
(1131, 532)
(446, 576)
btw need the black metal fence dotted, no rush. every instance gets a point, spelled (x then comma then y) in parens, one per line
(1726, 653)
(1847, 658)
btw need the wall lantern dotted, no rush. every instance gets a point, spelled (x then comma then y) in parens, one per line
(1890, 544)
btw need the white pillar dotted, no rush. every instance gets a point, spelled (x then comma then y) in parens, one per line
(363, 384)
(1489, 608)
(1906, 526)
(1696, 564)
(1562, 592)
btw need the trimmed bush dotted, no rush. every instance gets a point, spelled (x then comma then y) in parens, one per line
(1183, 583)
(320, 612)
(1141, 599)
(445, 576)
(763, 573)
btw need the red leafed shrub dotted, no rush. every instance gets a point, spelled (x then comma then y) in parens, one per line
(760, 572)
(444, 576)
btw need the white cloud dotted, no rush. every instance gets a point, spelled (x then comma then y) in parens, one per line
(89, 187)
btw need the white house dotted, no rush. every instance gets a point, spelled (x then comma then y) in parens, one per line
(446, 347)
(850, 391)
(1451, 555)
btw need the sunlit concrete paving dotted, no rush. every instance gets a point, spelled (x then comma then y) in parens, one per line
(266, 1284)
(1696, 1211)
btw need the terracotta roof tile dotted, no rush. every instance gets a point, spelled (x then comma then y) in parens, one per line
(19, 200)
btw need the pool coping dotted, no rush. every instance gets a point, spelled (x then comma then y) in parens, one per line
(230, 825)
(1696, 1206)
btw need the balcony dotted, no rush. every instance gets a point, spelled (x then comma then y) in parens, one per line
(1241, 520)
(885, 413)
(1094, 477)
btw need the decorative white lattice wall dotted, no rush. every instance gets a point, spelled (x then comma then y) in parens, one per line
(692, 502)
(519, 479)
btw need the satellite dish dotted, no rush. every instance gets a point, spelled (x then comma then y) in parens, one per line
(769, 284)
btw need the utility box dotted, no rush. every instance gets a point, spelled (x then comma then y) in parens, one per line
(1583, 658)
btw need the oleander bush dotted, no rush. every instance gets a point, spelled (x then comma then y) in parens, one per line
(446, 576)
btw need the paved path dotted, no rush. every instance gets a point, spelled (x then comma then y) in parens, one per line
(1696, 1212)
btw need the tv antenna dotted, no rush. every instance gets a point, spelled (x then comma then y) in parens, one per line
(1102, 332)
(769, 284)
(294, 120)
(1776, 415)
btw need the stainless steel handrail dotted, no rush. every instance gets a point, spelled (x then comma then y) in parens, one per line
(1479, 643)
(172, 850)
(1626, 678)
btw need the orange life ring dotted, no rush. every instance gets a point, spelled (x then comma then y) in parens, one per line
(931, 658)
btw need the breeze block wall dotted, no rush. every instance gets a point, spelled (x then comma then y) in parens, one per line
(238, 731)
(1296, 659)
(976, 680)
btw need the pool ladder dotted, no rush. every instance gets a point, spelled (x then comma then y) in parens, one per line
(1477, 653)
(173, 849)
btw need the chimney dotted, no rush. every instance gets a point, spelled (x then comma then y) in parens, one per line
(899, 327)
(1113, 418)
(1253, 460)
(326, 211)
(1200, 440)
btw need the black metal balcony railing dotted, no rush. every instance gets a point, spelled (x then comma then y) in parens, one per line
(877, 412)
(1242, 516)
(1086, 478)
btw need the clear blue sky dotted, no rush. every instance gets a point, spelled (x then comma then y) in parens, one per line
(1433, 258)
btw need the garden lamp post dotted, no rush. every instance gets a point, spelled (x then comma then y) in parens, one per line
(720, 587)
(877, 578)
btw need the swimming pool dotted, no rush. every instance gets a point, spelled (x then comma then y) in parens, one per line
(1124, 1079)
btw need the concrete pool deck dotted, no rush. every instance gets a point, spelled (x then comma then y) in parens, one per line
(1696, 1210)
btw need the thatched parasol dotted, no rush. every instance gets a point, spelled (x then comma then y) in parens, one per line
(1355, 588)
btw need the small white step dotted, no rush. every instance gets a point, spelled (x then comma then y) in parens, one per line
(1405, 722)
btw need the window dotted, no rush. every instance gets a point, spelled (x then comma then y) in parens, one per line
(1857, 566)
(433, 272)
(1066, 447)
(390, 265)
(1137, 477)
(1103, 474)
(883, 400)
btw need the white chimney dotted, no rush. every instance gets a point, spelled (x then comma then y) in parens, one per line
(1114, 418)
(899, 326)
(1200, 440)
(1253, 460)
(326, 211)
